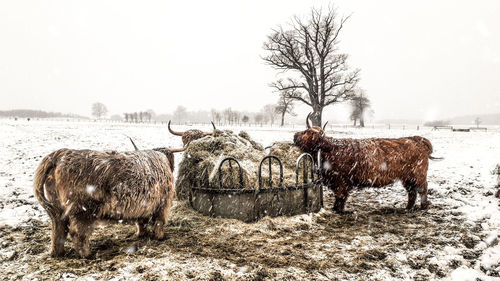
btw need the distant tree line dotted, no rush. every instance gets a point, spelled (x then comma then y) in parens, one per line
(28, 113)
(142, 116)
(437, 123)
(228, 116)
(269, 114)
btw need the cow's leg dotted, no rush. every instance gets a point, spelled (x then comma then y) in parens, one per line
(58, 235)
(341, 195)
(422, 191)
(80, 230)
(141, 227)
(412, 193)
(158, 231)
(160, 219)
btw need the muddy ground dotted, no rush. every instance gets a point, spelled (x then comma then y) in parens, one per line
(376, 239)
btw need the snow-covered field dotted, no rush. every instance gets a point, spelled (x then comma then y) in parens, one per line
(455, 239)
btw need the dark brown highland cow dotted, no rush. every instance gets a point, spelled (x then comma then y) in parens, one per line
(374, 162)
(77, 188)
(191, 135)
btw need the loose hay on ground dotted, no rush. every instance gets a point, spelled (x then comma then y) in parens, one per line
(352, 246)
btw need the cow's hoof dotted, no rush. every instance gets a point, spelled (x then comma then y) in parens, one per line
(160, 236)
(343, 212)
(57, 254)
(424, 206)
(85, 254)
(410, 208)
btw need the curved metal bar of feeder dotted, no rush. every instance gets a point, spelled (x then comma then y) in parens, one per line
(270, 157)
(229, 159)
(322, 203)
(318, 167)
(297, 166)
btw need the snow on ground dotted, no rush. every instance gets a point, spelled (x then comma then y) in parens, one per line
(456, 239)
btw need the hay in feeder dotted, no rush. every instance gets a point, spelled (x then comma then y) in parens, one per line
(199, 167)
(288, 153)
(255, 144)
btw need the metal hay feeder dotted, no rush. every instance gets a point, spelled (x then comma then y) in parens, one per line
(252, 204)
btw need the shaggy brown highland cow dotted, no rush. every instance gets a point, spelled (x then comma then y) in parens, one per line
(191, 135)
(374, 162)
(77, 188)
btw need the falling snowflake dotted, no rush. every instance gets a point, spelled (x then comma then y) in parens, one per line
(383, 166)
(327, 165)
(90, 188)
(131, 249)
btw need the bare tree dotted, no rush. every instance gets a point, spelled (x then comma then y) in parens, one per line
(360, 104)
(308, 51)
(180, 113)
(214, 113)
(265, 118)
(218, 117)
(258, 118)
(150, 114)
(99, 110)
(237, 117)
(478, 121)
(285, 105)
(229, 115)
(245, 119)
(354, 116)
(269, 111)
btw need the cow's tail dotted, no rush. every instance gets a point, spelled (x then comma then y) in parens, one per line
(428, 146)
(436, 158)
(41, 174)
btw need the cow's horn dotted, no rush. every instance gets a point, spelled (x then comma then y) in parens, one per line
(132, 141)
(307, 121)
(324, 126)
(174, 150)
(174, 132)
(213, 132)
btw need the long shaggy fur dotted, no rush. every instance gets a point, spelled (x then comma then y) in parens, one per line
(79, 187)
(373, 162)
(191, 135)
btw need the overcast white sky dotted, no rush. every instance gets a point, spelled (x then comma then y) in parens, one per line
(418, 59)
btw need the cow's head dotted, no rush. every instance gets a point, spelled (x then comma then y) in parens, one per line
(312, 139)
(191, 135)
(169, 152)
